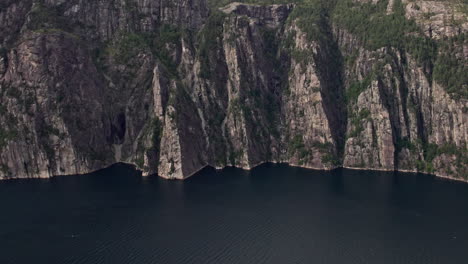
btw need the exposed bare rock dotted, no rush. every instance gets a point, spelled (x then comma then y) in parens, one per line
(104, 19)
(306, 124)
(171, 88)
(438, 19)
(272, 16)
(370, 143)
(12, 17)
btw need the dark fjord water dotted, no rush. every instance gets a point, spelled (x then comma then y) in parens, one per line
(274, 214)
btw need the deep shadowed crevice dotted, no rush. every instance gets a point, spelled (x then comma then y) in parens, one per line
(403, 89)
(118, 129)
(330, 71)
(388, 101)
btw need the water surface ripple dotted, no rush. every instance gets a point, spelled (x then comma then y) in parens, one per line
(273, 214)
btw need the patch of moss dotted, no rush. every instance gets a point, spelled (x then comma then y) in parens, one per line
(157, 129)
(7, 135)
(44, 18)
(4, 169)
(405, 143)
(297, 146)
(431, 151)
(209, 40)
(356, 121)
(127, 46)
(356, 88)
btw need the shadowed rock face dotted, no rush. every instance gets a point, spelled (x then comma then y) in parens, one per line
(172, 88)
(270, 16)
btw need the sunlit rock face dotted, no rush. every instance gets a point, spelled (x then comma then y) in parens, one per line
(173, 87)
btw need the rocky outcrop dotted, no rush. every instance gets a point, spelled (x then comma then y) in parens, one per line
(270, 16)
(438, 19)
(172, 88)
(401, 119)
(104, 19)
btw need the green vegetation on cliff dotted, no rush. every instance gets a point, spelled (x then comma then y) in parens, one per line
(220, 3)
(209, 40)
(5, 136)
(46, 19)
(432, 151)
(372, 25)
(377, 29)
(128, 45)
(451, 70)
(297, 146)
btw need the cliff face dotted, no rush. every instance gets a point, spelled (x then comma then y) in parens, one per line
(173, 87)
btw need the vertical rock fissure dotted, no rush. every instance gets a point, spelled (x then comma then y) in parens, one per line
(394, 121)
(330, 69)
(403, 89)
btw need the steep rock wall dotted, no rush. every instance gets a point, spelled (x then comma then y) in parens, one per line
(172, 88)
